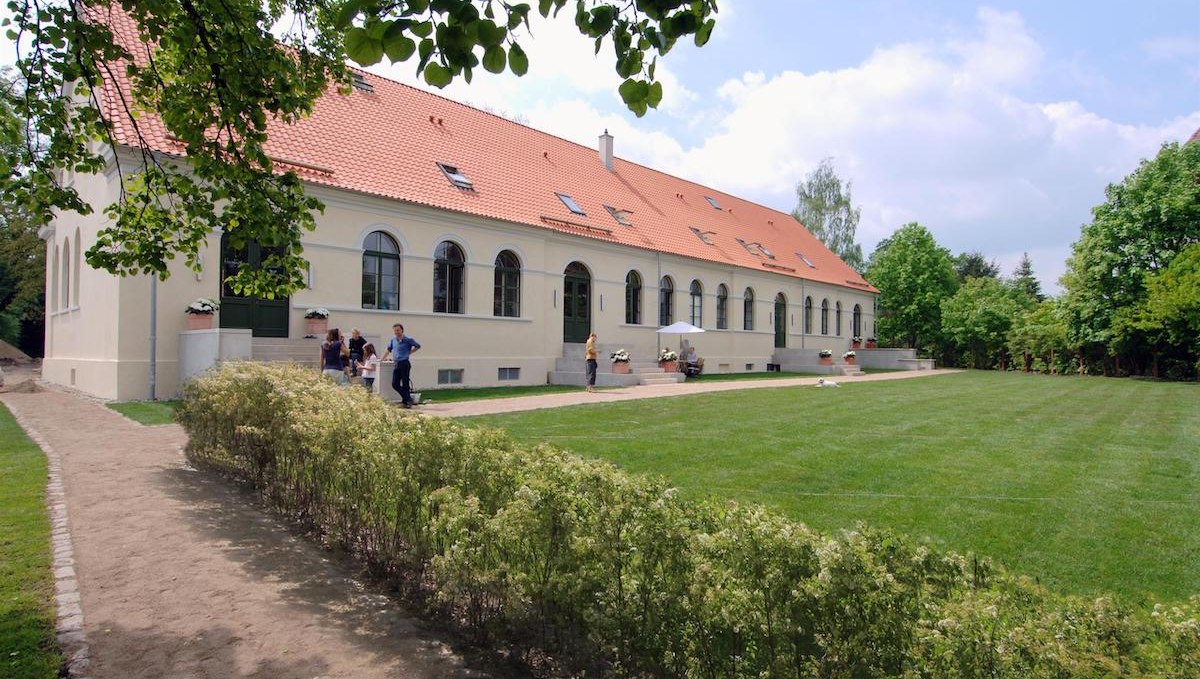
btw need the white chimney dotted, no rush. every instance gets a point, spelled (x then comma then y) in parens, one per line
(606, 150)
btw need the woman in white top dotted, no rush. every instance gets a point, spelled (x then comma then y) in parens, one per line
(369, 368)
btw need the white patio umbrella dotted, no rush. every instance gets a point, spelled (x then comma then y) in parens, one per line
(680, 328)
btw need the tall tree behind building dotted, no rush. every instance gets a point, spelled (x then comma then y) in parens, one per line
(22, 253)
(828, 212)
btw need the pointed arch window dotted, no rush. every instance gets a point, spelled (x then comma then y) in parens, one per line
(722, 307)
(78, 259)
(808, 313)
(838, 315)
(666, 301)
(633, 298)
(506, 300)
(856, 321)
(748, 309)
(696, 297)
(380, 272)
(824, 317)
(66, 274)
(449, 273)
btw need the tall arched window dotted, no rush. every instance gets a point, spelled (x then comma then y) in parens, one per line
(449, 270)
(78, 259)
(838, 316)
(506, 301)
(633, 298)
(748, 309)
(696, 293)
(66, 274)
(856, 321)
(808, 315)
(722, 307)
(54, 282)
(666, 301)
(380, 272)
(824, 317)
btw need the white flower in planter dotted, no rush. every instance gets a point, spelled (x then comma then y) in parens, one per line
(202, 305)
(317, 312)
(619, 356)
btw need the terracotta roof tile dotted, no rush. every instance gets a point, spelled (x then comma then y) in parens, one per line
(388, 143)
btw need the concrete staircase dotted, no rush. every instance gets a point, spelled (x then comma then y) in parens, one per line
(569, 369)
(305, 351)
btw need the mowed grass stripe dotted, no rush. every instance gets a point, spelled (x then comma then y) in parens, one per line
(1090, 485)
(27, 645)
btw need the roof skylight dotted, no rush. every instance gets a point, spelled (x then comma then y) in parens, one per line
(713, 202)
(702, 235)
(360, 83)
(806, 260)
(622, 216)
(749, 247)
(763, 249)
(456, 177)
(570, 203)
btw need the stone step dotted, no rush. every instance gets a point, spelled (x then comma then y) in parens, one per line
(661, 378)
(602, 379)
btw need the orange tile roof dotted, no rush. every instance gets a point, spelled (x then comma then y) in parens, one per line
(388, 143)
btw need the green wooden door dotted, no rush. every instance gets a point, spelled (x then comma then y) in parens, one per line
(780, 322)
(577, 303)
(264, 317)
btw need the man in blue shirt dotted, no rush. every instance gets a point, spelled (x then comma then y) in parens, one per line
(400, 348)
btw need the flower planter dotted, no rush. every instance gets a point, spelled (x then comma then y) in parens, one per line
(316, 326)
(856, 345)
(669, 366)
(871, 345)
(851, 360)
(199, 321)
(620, 368)
(826, 360)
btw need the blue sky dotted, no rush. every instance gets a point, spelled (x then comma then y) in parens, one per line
(996, 125)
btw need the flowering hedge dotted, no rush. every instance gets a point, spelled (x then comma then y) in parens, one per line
(616, 573)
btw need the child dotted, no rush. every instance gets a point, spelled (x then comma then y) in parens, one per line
(369, 367)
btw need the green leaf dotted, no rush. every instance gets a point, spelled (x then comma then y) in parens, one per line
(633, 91)
(518, 63)
(422, 29)
(346, 14)
(400, 49)
(362, 48)
(438, 75)
(654, 95)
(495, 59)
(705, 32)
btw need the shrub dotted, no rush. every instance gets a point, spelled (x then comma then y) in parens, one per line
(617, 574)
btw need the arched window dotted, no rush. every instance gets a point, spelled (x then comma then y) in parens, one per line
(838, 316)
(449, 269)
(722, 307)
(808, 315)
(824, 317)
(54, 282)
(666, 301)
(380, 272)
(696, 292)
(856, 321)
(748, 309)
(78, 259)
(506, 301)
(66, 274)
(633, 298)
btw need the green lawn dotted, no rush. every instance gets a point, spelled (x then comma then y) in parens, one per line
(27, 646)
(1088, 484)
(482, 393)
(147, 412)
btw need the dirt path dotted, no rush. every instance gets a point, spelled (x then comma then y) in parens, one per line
(181, 575)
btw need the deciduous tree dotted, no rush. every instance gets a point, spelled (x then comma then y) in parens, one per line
(214, 73)
(977, 318)
(827, 210)
(914, 274)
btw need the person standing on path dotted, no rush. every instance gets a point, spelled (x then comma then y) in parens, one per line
(400, 347)
(590, 354)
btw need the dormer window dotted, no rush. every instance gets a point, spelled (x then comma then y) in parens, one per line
(456, 177)
(360, 83)
(622, 216)
(703, 235)
(806, 260)
(713, 202)
(570, 203)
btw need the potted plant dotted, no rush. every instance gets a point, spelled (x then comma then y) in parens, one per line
(826, 357)
(667, 360)
(870, 342)
(200, 314)
(318, 321)
(850, 357)
(856, 342)
(620, 361)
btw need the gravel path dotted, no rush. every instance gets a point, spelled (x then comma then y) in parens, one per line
(181, 575)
